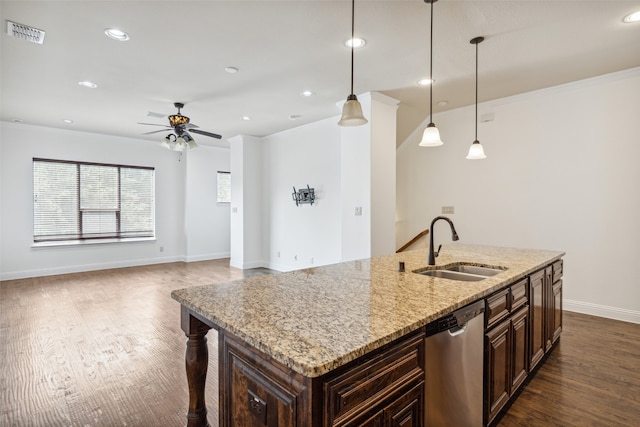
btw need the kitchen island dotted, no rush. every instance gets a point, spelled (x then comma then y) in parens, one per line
(335, 345)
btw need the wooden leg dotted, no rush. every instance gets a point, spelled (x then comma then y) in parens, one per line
(197, 362)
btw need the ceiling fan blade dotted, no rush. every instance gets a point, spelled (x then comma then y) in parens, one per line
(156, 131)
(202, 132)
(152, 124)
(191, 126)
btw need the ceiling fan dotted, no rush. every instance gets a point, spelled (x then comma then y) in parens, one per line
(181, 127)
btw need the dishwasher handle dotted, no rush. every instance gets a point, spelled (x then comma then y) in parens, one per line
(457, 330)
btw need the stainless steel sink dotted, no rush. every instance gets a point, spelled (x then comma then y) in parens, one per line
(475, 269)
(462, 272)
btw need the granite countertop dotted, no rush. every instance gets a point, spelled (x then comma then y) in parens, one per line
(315, 320)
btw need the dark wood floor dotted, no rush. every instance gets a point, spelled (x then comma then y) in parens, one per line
(105, 348)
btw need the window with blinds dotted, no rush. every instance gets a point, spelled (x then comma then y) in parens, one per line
(224, 187)
(84, 201)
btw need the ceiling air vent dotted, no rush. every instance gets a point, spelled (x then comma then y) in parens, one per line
(24, 32)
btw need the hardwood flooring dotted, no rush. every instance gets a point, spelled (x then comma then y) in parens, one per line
(105, 348)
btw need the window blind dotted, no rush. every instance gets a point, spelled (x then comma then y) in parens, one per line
(80, 201)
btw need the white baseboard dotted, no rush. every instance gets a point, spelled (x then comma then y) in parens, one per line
(51, 271)
(279, 267)
(615, 313)
(207, 257)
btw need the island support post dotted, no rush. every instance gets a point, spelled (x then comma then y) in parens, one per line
(196, 363)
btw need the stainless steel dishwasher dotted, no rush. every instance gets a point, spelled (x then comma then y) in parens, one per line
(454, 368)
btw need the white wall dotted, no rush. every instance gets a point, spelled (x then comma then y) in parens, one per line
(207, 222)
(247, 210)
(20, 143)
(302, 235)
(355, 187)
(562, 173)
(383, 174)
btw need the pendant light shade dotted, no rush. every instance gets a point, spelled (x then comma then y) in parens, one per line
(352, 110)
(476, 152)
(431, 135)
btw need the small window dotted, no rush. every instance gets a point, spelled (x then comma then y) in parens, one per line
(224, 187)
(89, 201)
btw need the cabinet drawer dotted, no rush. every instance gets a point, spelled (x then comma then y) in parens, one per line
(519, 294)
(557, 271)
(369, 383)
(497, 307)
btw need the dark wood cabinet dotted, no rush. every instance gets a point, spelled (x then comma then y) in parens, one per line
(554, 308)
(383, 389)
(497, 366)
(386, 390)
(407, 410)
(519, 348)
(260, 392)
(536, 317)
(506, 348)
(546, 310)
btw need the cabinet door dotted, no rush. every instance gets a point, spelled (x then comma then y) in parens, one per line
(497, 368)
(407, 410)
(257, 401)
(548, 308)
(536, 321)
(255, 392)
(375, 420)
(520, 354)
(556, 310)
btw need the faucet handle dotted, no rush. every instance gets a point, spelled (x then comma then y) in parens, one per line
(438, 251)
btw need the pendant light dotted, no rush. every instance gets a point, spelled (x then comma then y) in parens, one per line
(352, 110)
(431, 135)
(476, 152)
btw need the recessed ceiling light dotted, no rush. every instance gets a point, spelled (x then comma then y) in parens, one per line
(443, 103)
(307, 93)
(88, 84)
(632, 17)
(426, 81)
(356, 42)
(116, 34)
(246, 118)
(294, 116)
(68, 121)
(231, 70)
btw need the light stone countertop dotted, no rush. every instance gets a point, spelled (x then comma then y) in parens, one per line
(315, 320)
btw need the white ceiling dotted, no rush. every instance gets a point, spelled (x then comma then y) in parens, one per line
(179, 49)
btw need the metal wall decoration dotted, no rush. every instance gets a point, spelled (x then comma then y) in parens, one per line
(304, 195)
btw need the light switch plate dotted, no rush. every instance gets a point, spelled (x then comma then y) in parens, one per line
(447, 209)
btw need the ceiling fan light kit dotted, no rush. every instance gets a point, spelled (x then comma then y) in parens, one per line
(181, 126)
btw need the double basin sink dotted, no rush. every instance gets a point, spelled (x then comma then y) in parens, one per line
(462, 272)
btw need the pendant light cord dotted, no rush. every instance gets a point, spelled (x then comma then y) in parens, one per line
(353, 20)
(477, 91)
(431, 67)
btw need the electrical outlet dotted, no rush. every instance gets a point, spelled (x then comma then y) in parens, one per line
(161, 248)
(295, 257)
(278, 254)
(358, 210)
(311, 260)
(447, 209)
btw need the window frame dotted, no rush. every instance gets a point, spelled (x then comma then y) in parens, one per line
(81, 236)
(218, 187)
